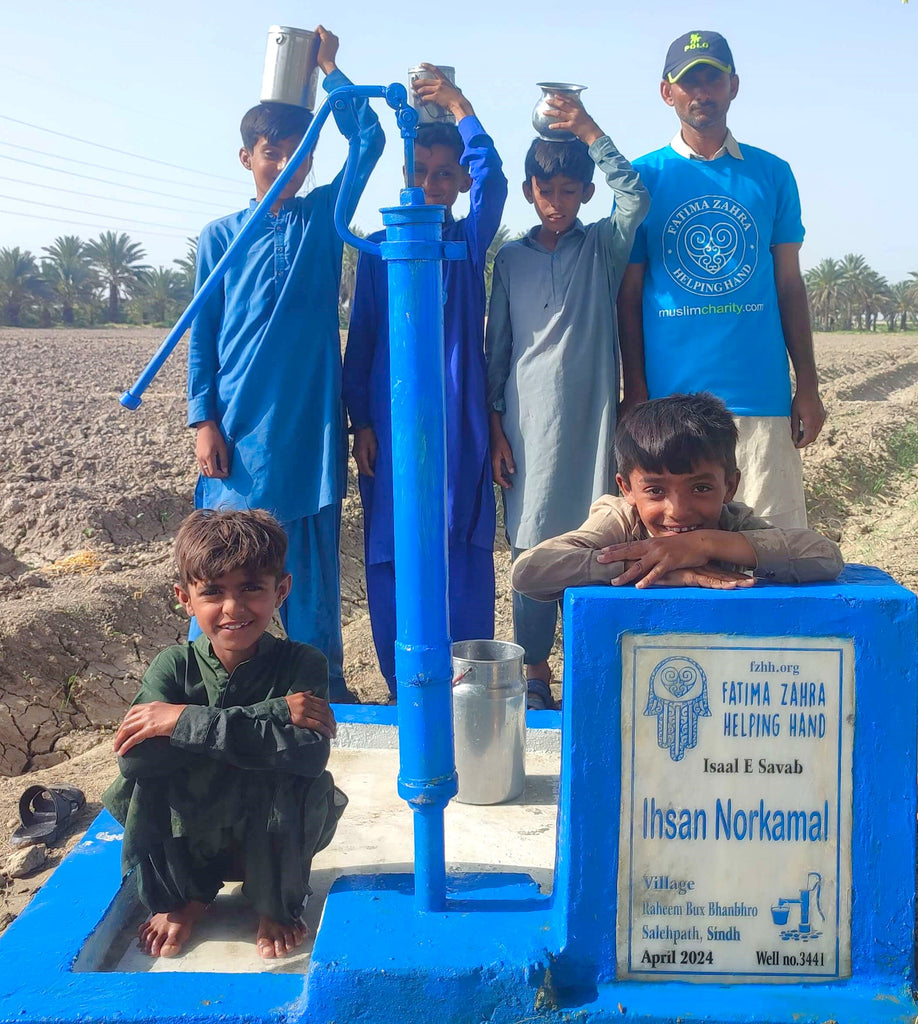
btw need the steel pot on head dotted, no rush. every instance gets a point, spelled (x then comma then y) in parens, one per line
(429, 113)
(291, 68)
(543, 115)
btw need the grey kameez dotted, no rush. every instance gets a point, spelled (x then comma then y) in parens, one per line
(552, 349)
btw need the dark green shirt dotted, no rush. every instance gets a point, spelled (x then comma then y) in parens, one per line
(233, 754)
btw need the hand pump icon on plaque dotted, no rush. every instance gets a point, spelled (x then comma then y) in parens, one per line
(809, 906)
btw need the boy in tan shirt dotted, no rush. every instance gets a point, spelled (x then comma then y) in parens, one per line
(675, 524)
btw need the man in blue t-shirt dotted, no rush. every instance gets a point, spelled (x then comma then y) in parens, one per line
(713, 299)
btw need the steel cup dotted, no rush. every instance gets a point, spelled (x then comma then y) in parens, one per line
(291, 71)
(429, 113)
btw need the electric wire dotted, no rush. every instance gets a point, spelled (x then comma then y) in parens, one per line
(108, 167)
(112, 149)
(95, 227)
(71, 209)
(107, 181)
(94, 195)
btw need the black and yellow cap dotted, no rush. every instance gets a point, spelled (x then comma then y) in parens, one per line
(697, 48)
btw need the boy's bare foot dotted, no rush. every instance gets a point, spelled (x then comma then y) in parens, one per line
(276, 939)
(165, 934)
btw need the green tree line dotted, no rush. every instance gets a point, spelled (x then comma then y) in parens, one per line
(848, 295)
(82, 283)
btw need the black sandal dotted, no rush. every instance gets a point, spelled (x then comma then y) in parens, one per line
(46, 813)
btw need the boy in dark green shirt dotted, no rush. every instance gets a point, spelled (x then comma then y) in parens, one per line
(223, 752)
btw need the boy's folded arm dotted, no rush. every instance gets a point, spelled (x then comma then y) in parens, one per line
(256, 737)
(543, 572)
(794, 556)
(489, 187)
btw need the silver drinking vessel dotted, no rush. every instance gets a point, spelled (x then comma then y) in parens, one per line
(291, 70)
(489, 720)
(543, 115)
(429, 113)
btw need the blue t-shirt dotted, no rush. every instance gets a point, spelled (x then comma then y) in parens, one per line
(711, 317)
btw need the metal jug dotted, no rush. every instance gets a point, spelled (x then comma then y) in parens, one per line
(489, 720)
(543, 115)
(429, 113)
(291, 72)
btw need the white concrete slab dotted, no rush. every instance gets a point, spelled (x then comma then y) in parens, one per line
(375, 835)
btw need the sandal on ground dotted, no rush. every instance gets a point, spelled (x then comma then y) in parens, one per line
(46, 813)
(538, 696)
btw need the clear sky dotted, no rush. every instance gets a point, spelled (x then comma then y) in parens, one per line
(827, 84)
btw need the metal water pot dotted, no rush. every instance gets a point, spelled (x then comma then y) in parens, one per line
(291, 71)
(543, 115)
(489, 720)
(429, 113)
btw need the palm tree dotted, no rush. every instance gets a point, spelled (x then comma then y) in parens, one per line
(161, 291)
(117, 260)
(824, 284)
(188, 265)
(901, 304)
(19, 284)
(68, 269)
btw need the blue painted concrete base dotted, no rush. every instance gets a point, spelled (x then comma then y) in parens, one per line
(377, 959)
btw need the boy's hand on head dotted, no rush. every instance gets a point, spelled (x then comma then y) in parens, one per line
(328, 49)
(310, 712)
(364, 450)
(651, 559)
(440, 90)
(708, 577)
(144, 721)
(572, 117)
(210, 450)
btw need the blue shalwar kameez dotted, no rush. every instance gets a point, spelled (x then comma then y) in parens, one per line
(470, 496)
(265, 362)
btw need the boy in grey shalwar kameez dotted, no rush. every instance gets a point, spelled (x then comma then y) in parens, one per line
(552, 350)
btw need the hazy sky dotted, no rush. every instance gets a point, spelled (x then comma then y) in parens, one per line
(827, 84)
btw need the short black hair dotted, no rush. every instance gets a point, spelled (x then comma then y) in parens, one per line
(273, 121)
(547, 160)
(674, 434)
(213, 542)
(441, 134)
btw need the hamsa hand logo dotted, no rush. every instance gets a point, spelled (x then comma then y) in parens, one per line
(677, 696)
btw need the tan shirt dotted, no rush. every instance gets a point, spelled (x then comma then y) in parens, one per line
(730, 146)
(782, 556)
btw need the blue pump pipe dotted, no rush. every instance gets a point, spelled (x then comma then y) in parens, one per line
(413, 251)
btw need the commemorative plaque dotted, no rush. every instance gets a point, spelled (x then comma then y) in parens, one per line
(735, 842)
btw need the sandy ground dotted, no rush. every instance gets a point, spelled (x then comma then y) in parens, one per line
(91, 496)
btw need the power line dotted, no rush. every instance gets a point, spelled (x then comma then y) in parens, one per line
(107, 181)
(108, 167)
(83, 224)
(94, 195)
(112, 149)
(70, 209)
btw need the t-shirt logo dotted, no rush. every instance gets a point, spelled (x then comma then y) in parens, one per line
(710, 245)
(696, 43)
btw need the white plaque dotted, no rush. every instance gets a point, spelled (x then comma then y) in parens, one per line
(735, 845)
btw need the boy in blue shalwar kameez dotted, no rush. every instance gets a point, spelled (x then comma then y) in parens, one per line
(447, 161)
(264, 362)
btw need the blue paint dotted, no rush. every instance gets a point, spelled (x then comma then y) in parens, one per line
(427, 776)
(500, 951)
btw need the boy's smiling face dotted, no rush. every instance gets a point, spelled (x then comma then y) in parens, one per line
(439, 174)
(234, 610)
(671, 503)
(266, 161)
(557, 200)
